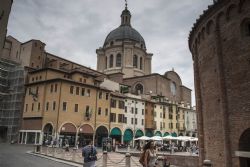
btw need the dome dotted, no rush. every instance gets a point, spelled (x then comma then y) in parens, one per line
(124, 32)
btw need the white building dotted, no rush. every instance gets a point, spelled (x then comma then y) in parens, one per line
(191, 122)
(134, 115)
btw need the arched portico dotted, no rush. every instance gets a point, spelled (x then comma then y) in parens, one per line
(47, 133)
(244, 149)
(85, 133)
(67, 134)
(101, 134)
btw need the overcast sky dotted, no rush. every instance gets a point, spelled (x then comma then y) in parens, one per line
(75, 29)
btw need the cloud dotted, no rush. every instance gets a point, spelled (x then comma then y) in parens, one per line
(75, 29)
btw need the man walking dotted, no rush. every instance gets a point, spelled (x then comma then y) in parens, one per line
(89, 153)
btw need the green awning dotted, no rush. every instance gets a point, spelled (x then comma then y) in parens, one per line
(158, 133)
(128, 135)
(166, 134)
(116, 132)
(149, 133)
(174, 134)
(139, 133)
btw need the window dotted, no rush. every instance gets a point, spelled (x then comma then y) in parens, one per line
(245, 27)
(132, 110)
(140, 63)
(100, 95)
(64, 106)
(155, 115)
(164, 125)
(173, 88)
(47, 106)
(120, 118)
(118, 60)
(77, 90)
(80, 79)
(139, 89)
(136, 121)
(37, 89)
(142, 122)
(135, 61)
(26, 107)
(55, 87)
(51, 87)
(107, 96)
(71, 89)
(54, 106)
(132, 120)
(111, 59)
(161, 125)
(99, 111)
(112, 117)
(125, 109)
(83, 91)
(113, 103)
(106, 62)
(142, 112)
(38, 107)
(88, 92)
(87, 113)
(76, 107)
(121, 104)
(32, 107)
(40, 77)
(160, 115)
(136, 110)
(125, 120)
(106, 112)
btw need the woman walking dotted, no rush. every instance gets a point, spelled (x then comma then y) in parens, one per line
(150, 155)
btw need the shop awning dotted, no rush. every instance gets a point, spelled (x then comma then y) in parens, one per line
(116, 132)
(139, 133)
(128, 135)
(174, 134)
(158, 133)
(166, 134)
(149, 134)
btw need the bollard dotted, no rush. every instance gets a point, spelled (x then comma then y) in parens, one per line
(53, 151)
(207, 163)
(160, 161)
(104, 159)
(116, 148)
(74, 154)
(128, 164)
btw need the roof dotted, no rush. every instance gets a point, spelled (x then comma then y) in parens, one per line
(125, 32)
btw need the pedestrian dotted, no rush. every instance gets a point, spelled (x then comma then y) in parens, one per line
(150, 155)
(89, 154)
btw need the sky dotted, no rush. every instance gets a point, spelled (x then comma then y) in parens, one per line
(75, 29)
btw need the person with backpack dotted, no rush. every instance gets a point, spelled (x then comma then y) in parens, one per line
(89, 153)
(148, 157)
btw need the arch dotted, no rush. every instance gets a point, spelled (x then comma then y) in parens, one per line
(86, 128)
(111, 60)
(68, 128)
(67, 133)
(85, 133)
(221, 19)
(166, 134)
(139, 89)
(128, 135)
(244, 145)
(187, 134)
(232, 9)
(116, 132)
(47, 133)
(118, 60)
(101, 134)
(149, 133)
(158, 133)
(243, 5)
(210, 26)
(245, 27)
(135, 61)
(180, 134)
(193, 135)
(139, 133)
(174, 134)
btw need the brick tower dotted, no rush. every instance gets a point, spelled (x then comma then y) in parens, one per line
(220, 47)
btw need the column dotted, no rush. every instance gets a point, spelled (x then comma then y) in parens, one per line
(35, 137)
(25, 137)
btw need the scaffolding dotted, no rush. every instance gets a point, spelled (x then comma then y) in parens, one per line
(12, 89)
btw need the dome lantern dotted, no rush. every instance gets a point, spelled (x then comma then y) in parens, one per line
(125, 16)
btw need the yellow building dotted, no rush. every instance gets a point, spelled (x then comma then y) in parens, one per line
(64, 105)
